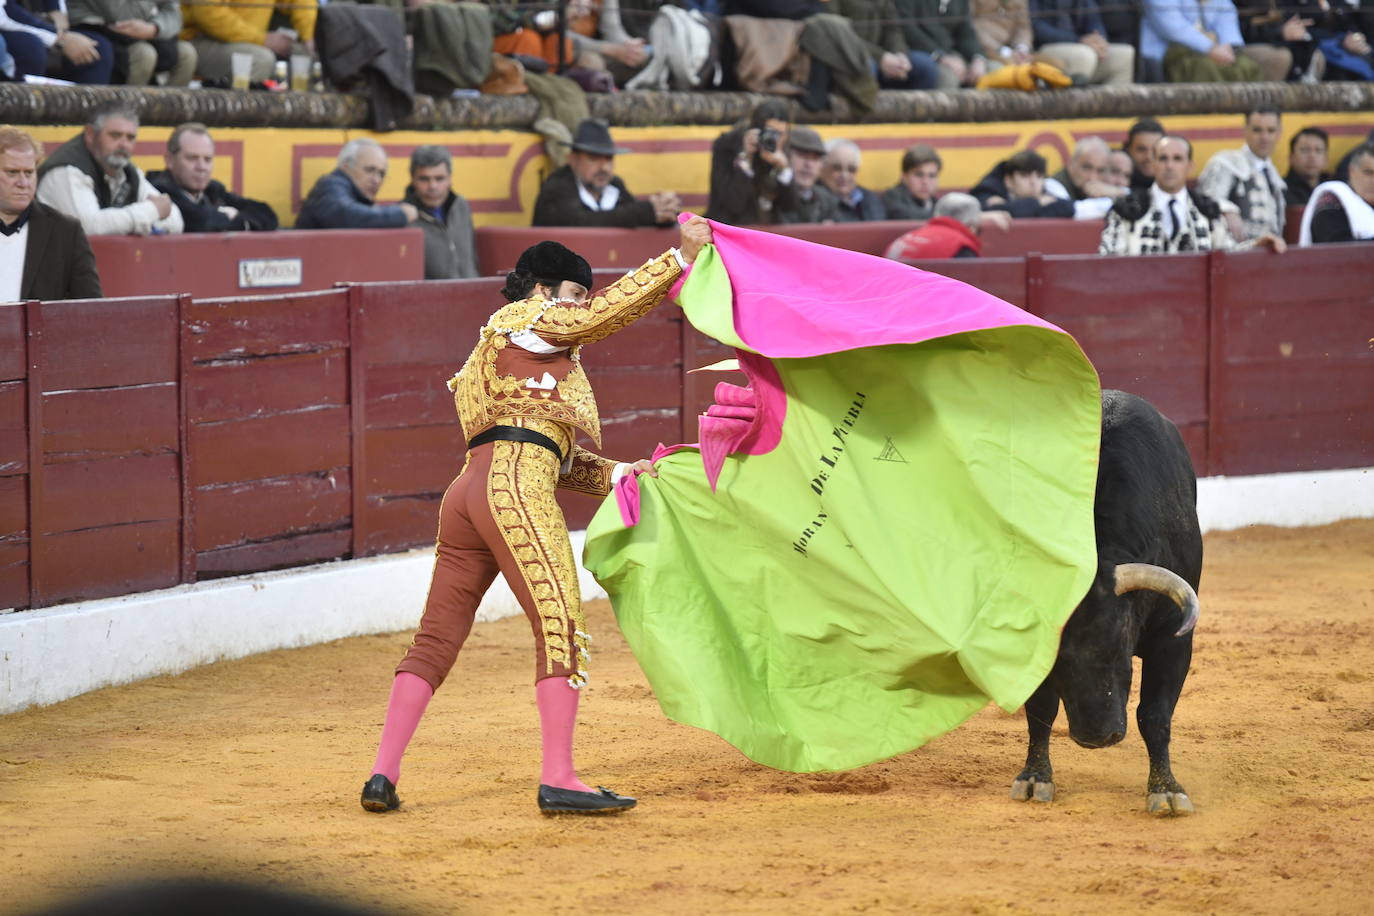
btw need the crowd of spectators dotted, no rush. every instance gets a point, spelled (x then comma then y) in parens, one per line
(765, 170)
(806, 46)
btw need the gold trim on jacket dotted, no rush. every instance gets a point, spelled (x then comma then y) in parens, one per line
(503, 380)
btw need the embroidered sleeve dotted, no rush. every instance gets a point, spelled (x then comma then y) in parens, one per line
(609, 309)
(590, 473)
(1217, 182)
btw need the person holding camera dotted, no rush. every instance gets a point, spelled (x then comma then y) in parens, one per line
(748, 163)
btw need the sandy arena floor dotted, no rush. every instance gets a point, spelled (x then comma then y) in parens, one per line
(252, 769)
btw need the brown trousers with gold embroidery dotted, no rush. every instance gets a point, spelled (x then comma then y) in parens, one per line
(500, 514)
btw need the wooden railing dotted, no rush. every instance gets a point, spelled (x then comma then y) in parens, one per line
(147, 442)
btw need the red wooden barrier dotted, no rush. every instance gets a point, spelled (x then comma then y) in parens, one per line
(498, 247)
(230, 263)
(1146, 334)
(105, 495)
(409, 339)
(1292, 364)
(317, 425)
(14, 458)
(1292, 223)
(268, 420)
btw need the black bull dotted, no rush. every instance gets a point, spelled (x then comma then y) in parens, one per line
(1142, 602)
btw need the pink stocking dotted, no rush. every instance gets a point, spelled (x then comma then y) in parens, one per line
(557, 702)
(410, 695)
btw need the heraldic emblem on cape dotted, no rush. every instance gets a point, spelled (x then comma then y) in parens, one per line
(886, 529)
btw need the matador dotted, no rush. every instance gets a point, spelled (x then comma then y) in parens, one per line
(522, 397)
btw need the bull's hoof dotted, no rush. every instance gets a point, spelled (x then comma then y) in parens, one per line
(1032, 790)
(1169, 804)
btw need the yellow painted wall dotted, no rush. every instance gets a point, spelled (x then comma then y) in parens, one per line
(499, 171)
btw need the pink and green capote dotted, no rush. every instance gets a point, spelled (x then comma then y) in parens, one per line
(884, 530)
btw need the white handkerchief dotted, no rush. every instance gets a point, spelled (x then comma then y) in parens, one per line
(547, 383)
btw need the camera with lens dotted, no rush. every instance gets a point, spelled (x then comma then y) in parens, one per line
(768, 139)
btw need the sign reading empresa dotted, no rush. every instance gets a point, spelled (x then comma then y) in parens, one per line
(259, 272)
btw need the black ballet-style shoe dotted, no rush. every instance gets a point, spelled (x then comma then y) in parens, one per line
(379, 794)
(571, 801)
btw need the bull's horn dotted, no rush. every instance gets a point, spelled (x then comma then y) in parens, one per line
(1131, 577)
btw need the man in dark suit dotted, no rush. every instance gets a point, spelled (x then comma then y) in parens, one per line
(43, 254)
(206, 205)
(586, 191)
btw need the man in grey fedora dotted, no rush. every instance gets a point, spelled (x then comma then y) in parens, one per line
(586, 191)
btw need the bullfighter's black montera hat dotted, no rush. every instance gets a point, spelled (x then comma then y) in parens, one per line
(551, 261)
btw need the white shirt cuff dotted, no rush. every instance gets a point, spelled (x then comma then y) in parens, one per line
(681, 261)
(620, 470)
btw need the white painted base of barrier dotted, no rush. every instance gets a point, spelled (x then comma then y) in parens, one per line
(51, 654)
(1285, 500)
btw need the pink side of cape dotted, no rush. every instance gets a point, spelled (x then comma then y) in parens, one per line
(795, 298)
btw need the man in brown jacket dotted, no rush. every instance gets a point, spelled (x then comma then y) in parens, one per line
(43, 254)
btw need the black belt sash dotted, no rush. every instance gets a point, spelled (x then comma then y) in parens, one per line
(515, 434)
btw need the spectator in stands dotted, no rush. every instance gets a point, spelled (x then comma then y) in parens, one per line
(1122, 21)
(143, 34)
(346, 198)
(803, 199)
(1004, 30)
(1343, 167)
(1140, 146)
(1341, 211)
(1194, 41)
(43, 254)
(586, 191)
(445, 217)
(1119, 169)
(951, 233)
(1084, 174)
(222, 29)
(1279, 37)
(840, 173)
(604, 41)
(1245, 181)
(91, 178)
(746, 162)
(1342, 31)
(530, 34)
(1168, 217)
(205, 204)
(944, 30)
(1072, 32)
(1306, 164)
(1017, 186)
(894, 64)
(913, 197)
(79, 54)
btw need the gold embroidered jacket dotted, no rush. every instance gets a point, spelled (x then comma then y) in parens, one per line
(502, 381)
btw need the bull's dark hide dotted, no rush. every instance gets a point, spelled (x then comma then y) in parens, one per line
(24, 104)
(1145, 512)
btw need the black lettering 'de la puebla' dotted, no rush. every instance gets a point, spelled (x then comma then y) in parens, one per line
(830, 460)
